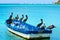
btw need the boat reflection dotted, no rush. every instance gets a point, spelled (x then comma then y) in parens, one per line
(39, 39)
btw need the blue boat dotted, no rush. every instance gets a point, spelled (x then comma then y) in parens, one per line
(28, 31)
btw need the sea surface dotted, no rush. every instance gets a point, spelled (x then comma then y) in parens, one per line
(50, 13)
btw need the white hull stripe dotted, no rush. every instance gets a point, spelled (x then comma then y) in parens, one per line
(29, 35)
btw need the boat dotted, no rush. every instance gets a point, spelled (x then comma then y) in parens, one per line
(28, 31)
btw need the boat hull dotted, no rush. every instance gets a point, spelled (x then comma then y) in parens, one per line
(30, 36)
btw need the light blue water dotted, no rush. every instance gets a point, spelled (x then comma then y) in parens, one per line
(49, 13)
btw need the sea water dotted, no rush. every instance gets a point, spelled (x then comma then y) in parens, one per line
(50, 13)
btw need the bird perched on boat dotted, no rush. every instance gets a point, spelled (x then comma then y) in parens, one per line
(39, 24)
(9, 21)
(22, 17)
(10, 17)
(25, 19)
(17, 17)
(51, 27)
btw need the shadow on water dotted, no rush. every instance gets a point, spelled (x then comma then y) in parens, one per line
(16, 37)
(39, 39)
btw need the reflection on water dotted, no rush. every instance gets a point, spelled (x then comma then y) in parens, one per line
(40, 39)
(15, 37)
